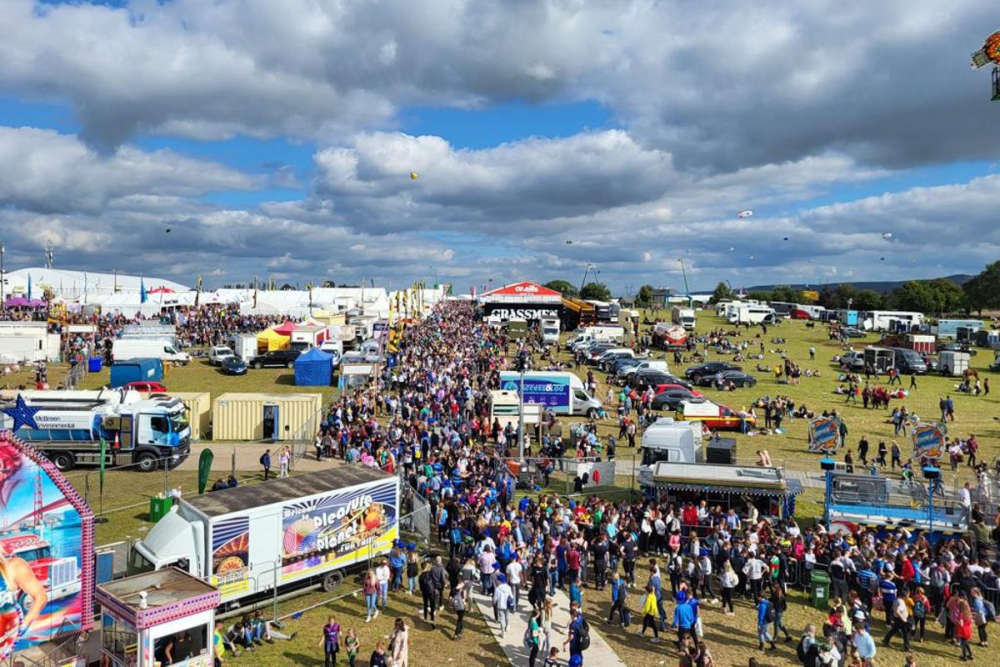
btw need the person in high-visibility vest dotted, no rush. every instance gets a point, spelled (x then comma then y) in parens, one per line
(218, 644)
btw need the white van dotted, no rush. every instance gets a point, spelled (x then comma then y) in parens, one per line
(671, 441)
(550, 331)
(652, 365)
(152, 348)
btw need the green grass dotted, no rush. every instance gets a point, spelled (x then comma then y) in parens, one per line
(730, 638)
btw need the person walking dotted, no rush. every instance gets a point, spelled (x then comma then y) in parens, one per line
(427, 594)
(458, 606)
(728, 581)
(900, 619)
(400, 644)
(650, 610)
(534, 635)
(864, 644)
(765, 617)
(913, 381)
(963, 628)
(577, 637)
(503, 602)
(330, 642)
(353, 646)
(780, 606)
(618, 592)
(265, 462)
(369, 588)
(284, 462)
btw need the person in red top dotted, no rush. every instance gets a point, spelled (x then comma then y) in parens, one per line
(906, 572)
(573, 563)
(690, 515)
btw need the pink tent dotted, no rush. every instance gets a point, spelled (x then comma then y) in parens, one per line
(286, 328)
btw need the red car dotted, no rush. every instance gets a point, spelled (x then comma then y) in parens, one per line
(148, 387)
(660, 388)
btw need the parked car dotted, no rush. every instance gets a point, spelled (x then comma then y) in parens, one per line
(676, 383)
(624, 367)
(710, 368)
(956, 347)
(853, 360)
(853, 332)
(672, 398)
(644, 379)
(146, 386)
(234, 366)
(276, 359)
(219, 353)
(737, 378)
(608, 360)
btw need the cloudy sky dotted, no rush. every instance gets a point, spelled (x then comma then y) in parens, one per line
(278, 138)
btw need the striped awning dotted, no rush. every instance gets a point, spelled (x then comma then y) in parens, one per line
(793, 487)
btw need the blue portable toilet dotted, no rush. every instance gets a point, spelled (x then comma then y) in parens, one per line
(314, 368)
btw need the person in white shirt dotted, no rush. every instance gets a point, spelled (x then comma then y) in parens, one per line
(502, 596)
(514, 570)
(754, 569)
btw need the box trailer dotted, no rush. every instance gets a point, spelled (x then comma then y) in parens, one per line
(953, 363)
(287, 533)
(244, 346)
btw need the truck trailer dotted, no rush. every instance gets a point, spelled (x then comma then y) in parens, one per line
(69, 427)
(684, 317)
(287, 533)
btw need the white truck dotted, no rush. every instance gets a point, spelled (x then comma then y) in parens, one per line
(683, 316)
(550, 331)
(292, 533)
(747, 313)
(559, 391)
(71, 424)
(605, 334)
(151, 348)
(244, 346)
(669, 441)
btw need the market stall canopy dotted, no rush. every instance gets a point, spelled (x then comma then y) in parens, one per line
(521, 292)
(270, 340)
(23, 302)
(285, 329)
(314, 367)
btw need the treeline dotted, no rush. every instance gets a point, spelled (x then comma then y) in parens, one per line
(981, 292)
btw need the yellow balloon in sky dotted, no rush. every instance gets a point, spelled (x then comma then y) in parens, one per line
(413, 175)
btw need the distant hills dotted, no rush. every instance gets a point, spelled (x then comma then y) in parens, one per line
(882, 287)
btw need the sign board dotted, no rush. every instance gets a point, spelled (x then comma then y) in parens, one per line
(928, 439)
(550, 392)
(337, 529)
(824, 435)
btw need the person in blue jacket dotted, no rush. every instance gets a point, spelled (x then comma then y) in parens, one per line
(765, 616)
(683, 620)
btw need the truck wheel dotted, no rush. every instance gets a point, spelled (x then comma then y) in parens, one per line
(331, 580)
(146, 461)
(63, 460)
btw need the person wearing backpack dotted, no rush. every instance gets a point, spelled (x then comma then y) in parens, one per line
(265, 462)
(765, 617)
(577, 637)
(807, 649)
(921, 607)
(503, 602)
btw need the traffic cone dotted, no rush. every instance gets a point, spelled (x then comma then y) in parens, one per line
(117, 444)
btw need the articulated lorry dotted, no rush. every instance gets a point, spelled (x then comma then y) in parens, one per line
(290, 533)
(69, 426)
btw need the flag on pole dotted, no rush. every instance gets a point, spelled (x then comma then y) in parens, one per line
(29, 286)
(142, 291)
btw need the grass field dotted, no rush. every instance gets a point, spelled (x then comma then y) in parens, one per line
(731, 638)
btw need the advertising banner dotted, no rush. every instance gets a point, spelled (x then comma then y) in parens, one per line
(928, 440)
(334, 530)
(550, 392)
(41, 551)
(231, 556)
(824, 435)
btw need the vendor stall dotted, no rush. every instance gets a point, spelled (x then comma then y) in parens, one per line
(164, 617)
(729, 486)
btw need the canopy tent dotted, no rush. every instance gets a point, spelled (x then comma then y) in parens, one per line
(270, 340)
(314, 368)
(286, 328)
(160, 290)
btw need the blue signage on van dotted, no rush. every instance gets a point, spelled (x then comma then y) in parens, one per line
(553, 393)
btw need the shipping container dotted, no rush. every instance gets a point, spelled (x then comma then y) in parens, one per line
(136, 370)
(199, 405)
(266, 416)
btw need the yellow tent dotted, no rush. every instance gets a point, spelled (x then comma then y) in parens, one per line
(270, 340)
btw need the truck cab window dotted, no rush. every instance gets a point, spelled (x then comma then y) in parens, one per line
(159, 424)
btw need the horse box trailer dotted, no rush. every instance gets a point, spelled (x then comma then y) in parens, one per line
(285, 533)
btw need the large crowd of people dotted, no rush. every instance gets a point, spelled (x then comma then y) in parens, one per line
(668, 559)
